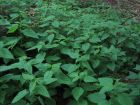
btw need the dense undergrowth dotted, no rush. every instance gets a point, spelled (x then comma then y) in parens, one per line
(67, 52)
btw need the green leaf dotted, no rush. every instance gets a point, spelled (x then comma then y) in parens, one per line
(32, 86)
(124, 99)
(20, 95)
(107, 84)
(111, 66)
(13, 28)
(69, 67)
(89, 79)
(77, 92)
(4, 22)
(49, 46)
(42, 91)
(63, 79)
(50, 38)
(30, 33)
(83, 58)
(49, 80)
(38, 46)
(19, 52)
(55, 24)
(96, 97)
(48, 77)
(137, 67)
(96, 63)
(104, 102)
(5, 53)
(85, 46)
(27, 76)
(95, 39)
(82, 102)
(105, 81)
(73, 54)
(5, 68)
(21, 102)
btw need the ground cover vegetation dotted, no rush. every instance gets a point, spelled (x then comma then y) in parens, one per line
(68, 52)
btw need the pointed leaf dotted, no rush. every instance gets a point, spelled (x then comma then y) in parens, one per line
(42, 91)
(69, 67)
(20, 95)
(30, 33)
(124, 99)
(77, 92)
(96, 97)
(5, 53)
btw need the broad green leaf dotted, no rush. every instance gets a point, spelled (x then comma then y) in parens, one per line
(51, 17)
(49, 80)
(90, 79)
(104, 102)
(114, 101)
(75, 76)
(30, 33)
(63, 79)
(21, 102)
(56, 24)
(96, 97)
(12, 41)
(137, 67)
(73, 54)
(124, 99)
(132, 75)
(95, 39)
(111, 66)
(96, 63)
(4, 22)
(107, 84)
(27, 76)
(77, 92)
(40, 57)
(69, 67)
(83, 58)
(121, 39)
(38, 46)
(50, 46)
(14, 15)
(5, 53)
(19, 52)
(85, 46)
(50, 38)
(42, 90)
(105, 81)
(6, 77)
(20, 95)
(43, 66)
(13, 28)
(82, 102)
(48, 77)
(104, 36)
(5, 68)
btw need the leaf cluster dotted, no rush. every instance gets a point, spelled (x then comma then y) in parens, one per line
(60, 52)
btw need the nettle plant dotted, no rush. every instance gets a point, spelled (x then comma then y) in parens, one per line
(62, 52)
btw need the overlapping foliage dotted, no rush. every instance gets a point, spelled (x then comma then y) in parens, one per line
(67, 52)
